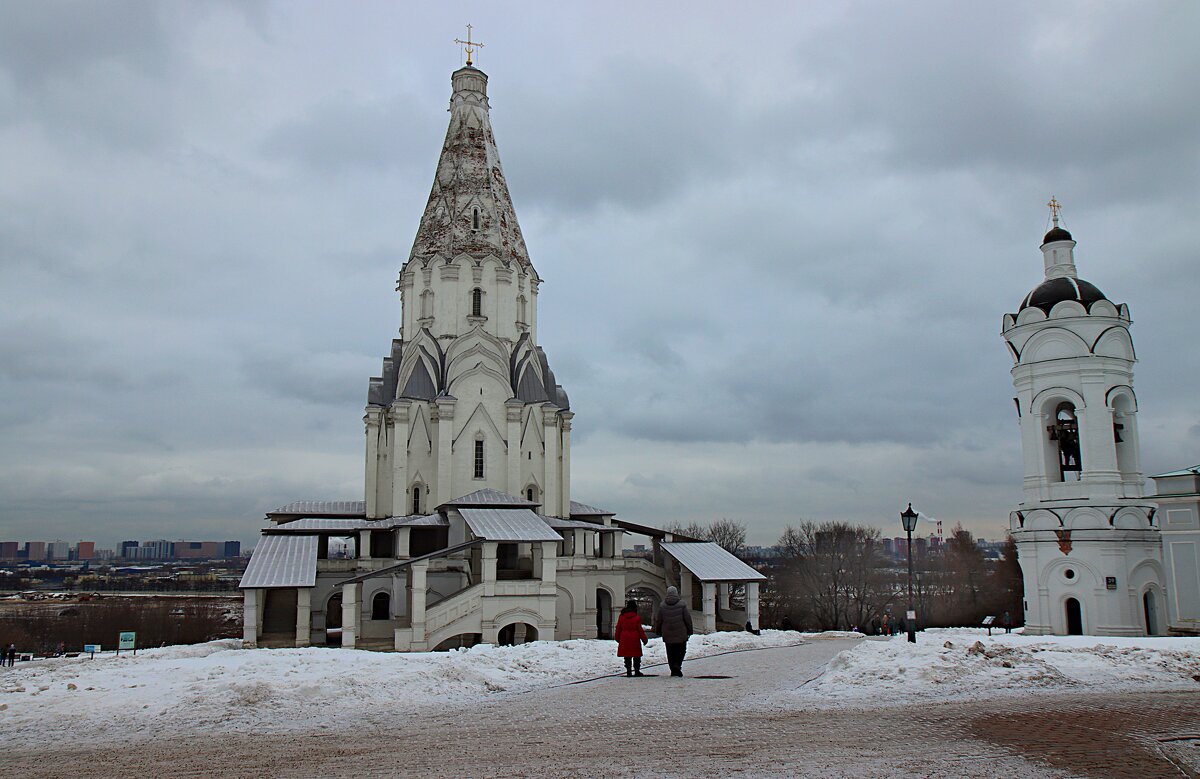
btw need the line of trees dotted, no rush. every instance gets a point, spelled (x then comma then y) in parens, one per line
(836, 576)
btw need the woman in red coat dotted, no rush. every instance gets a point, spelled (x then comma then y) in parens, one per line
(630, 639)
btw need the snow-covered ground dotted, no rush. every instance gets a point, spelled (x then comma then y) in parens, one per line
(219, 686)
(957, 664)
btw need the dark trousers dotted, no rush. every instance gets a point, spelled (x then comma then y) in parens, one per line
(675, 653)
(633, 664)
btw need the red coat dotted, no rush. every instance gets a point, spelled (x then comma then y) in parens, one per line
(630, 635)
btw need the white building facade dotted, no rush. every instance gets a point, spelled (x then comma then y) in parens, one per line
(467, 531)
(1088, 540)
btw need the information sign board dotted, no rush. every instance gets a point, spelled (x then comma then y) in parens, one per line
(128, 640)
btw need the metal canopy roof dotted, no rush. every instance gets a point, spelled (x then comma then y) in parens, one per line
(1193, 471)
(584, 510)
(508, 525)
(489, 497)
(310, 524)
(282, 561)
(575, 524)
(710, 563)
(346, 508)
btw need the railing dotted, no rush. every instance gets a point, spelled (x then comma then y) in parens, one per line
(457, 606)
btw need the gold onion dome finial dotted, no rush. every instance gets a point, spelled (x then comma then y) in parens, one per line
(1055, 206)
(469, 46)
(1057, 233)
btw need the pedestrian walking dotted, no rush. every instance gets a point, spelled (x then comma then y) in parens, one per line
(886, 624)
(12, 655)
(674, 624)
(631, 637)
(1006, 621)
(786, 623)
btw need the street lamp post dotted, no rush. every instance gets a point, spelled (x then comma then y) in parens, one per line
(909, 518)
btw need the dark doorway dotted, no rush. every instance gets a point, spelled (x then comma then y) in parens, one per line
(381, 606)
(603, 614)
(279, 612)
(517, 633)
(1074, 618)
(1151, 611)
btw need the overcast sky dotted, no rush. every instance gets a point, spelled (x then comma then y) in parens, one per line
(777, 244)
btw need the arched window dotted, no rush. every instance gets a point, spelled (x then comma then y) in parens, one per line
(531, 494)
(475, 219)
(1065, 432)
(427, 304)
(477, 302)
(521, 309)
(381, 606)
(479, 459)
(416, 499)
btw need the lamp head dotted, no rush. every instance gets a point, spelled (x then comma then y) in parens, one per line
(909, 518)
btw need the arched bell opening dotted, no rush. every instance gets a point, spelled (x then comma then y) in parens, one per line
(1063, 436)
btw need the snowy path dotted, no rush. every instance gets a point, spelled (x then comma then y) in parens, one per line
(751, 724)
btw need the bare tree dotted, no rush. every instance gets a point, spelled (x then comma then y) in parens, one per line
(833, 571)
(728, 534)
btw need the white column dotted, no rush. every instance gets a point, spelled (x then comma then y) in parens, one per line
(724, 591)
(551, 506)
(565, 489)
(364, 545)
(512, 408)
(489, 567)
(445, 432)
(580, 549)
(685, 586)
(303, 616)
(419, 595)
(710, 607)
(399, 418)
(403, 536)
(372, 465)
(350, 614)
(250, 598)
(752, 604)
(549, 564)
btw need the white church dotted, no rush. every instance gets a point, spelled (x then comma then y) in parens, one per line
(1098, 556)
(468, 532)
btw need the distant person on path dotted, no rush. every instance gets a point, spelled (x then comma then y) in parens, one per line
(674, 624)
(786, 624)
(1006, 621)
(886, 624)
(631, 637)
(12, 655)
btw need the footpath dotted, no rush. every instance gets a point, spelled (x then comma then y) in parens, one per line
(731, 715)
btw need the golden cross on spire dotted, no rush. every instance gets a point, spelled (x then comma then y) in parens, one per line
(469, 45)
(1055, 206)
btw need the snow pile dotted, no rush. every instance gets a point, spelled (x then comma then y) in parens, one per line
(965, 663)
(220, 687)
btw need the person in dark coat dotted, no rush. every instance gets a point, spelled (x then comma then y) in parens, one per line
(1006, 622)
(631, 637)
(674, 624)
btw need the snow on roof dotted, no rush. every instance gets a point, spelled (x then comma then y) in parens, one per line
(584, 510)
(710, 563)
(282, 561)
(489, 497)
(508, 525)
(1193, 471)
(325, 507)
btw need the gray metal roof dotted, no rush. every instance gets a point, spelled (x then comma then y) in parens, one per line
(347, 508)
(282, 561)
(418, 520)
(584, 510)
(1193, 471)
(710, 563)
(508, 525)
(573, 524)
(323, 523)
(489, 497)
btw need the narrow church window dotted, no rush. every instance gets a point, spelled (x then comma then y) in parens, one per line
(530, 495)
(475, 220)
(476, 302)
(416, 500)
(479, 459)
(381, 606)
(521, 309)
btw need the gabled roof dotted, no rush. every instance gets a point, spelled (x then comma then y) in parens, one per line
(584, 510)
(282, 561)
(322, 508)
(1193, 471)
(710, 563)
(309, 524)
(575, 524)
(498, 524)
(488, 497)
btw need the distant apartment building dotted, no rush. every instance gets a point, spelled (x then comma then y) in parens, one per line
(85, 550)
(233, 549)
(10, 550)
(35, 550)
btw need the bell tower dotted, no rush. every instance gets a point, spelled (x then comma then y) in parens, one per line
(1087, 542)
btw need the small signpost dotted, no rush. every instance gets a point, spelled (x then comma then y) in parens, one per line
(128, 640)
(988, 622)
(92, 649)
